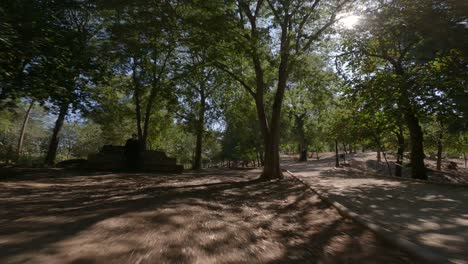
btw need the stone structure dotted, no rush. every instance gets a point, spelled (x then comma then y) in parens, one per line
(112, 157)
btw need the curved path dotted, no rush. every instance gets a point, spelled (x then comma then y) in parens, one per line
(430, 215)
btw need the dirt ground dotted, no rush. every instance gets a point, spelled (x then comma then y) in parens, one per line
(213, 217)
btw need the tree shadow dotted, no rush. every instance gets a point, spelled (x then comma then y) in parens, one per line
(209, 217)
(433, 216)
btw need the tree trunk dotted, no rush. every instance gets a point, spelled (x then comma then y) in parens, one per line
(439, 151)
(400, 152)
(379, 157)
(418, 169)
(464, 156)
(156, 79)
(337, 155)
(22, 131)
(261, 155)
(199, 131)
(54, 141)
(270, 133)
(136, 95)
(299, 120)
(270, 130)
(271, 167)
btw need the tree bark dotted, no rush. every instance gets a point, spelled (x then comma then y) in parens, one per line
(271, 167)
(299, 120)
(54, 141)
(137, 98)
(418, 169)
(439, 150)
(400, 152)
(22, 131)
(379, 157)
(269, 130)
(261, 155)
(199, 131)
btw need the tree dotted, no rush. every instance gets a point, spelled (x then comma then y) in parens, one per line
(143, 39)
(198, 94)
(269, 53)
(310, 89)
(390, 43)
(77, 65)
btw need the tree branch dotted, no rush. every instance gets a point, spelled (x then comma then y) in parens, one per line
(225, 69)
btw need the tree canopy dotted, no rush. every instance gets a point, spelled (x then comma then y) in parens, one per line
(234, 83)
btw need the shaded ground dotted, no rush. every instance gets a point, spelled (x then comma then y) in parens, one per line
(431, 215)
(214, 217)
(368, 162)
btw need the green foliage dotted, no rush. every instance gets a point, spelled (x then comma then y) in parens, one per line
(144, 66)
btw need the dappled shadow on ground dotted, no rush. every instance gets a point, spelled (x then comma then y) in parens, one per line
(212, 217)
(431, 215)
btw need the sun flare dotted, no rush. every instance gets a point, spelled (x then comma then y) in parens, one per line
(350, 22)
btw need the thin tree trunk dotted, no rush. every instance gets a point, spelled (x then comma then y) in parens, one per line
(156, 79)
(464, 156)
(262, 158)
(199, 132)
(400, 152)
(377, 141)
(22, 131)
(299, 120)
(54, 141)
(337, 155)
(388, 164)
(136, 95)
(439, 151)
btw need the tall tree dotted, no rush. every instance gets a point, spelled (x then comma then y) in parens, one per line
(311, 87)
(143, 36)
(271, 37)
(199, 92)
(75, 66)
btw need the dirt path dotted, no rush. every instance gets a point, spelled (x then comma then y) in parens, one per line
(214, 217)
(430, 215)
